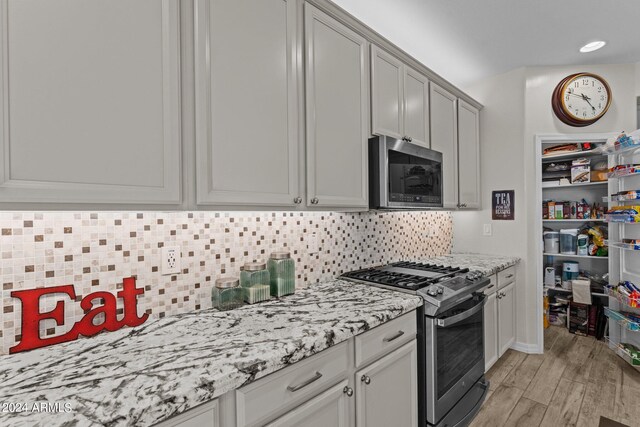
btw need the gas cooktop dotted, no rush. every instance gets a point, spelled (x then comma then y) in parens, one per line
(438, 285)
(406, 275)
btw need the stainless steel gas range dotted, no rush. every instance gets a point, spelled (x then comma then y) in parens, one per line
(450, 336)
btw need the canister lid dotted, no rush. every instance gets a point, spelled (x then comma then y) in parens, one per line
(227, 282)
(280, 255)
(255, 266)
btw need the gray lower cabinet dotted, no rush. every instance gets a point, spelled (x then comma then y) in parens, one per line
(490, 330)
(247, 100)
(468, 155)
(386, 391)
(89, 102)
(337, 111)
(330, 408)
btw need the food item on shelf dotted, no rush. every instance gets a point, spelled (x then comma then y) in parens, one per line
(624, 214)
(626, 195)
(626, 291)
(632, 351)
(580, 171)
(622, 170)
(561, 148)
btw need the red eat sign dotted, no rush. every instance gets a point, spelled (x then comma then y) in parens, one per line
(31, 316)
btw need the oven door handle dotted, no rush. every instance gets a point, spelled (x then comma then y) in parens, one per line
(448, 321)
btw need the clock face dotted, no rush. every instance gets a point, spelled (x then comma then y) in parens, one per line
(585, 97)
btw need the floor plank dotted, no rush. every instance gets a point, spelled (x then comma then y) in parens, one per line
(527, 413)
(599, 400)
(545, 381)
(564, 408)
(576, 356)
(627, 410)
(495, 410)
(575, 382)
(550, 336)
(499, 371)
(522, 374)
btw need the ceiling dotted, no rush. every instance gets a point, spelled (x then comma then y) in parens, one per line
(466, 40)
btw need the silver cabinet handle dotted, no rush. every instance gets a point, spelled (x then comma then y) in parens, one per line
(365, 379)
(509, 276)
(297, 200)
(314, 201)
(395, 337)
(315, 378)
(348, 391)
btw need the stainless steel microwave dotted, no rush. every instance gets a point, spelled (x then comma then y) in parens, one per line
(403, 175)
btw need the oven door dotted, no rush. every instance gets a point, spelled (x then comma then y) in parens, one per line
(455, 355)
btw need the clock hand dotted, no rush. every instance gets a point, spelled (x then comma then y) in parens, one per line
(586, 98)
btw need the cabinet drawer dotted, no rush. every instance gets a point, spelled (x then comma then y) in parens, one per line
(506, 276)
(384, 338)
(268, 396)
(492, 286)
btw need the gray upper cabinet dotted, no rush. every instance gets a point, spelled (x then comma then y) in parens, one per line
(247, 121)
(468, 155)
(89, 102)
(387, 94)
(337, 112)
(444, 138)
(399, 99)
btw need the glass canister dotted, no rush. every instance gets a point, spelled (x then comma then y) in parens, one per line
(254, 279)
(227, 294)
(282, 270)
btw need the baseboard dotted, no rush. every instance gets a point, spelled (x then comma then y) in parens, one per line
(526, 348)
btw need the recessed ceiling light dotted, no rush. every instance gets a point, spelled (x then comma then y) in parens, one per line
(590, 47)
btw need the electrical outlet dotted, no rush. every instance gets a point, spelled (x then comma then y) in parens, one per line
(170, 260)
(486, 230)
(312, 245)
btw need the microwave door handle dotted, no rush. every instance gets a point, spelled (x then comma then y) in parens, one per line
(446, 322)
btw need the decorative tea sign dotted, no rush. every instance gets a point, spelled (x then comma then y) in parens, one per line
(503, 204)
(31, 315)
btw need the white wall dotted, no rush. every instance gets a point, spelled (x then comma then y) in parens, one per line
(517, 107)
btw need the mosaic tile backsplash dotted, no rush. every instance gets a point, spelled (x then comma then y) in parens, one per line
(95, 251)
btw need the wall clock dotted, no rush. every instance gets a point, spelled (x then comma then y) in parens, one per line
(581, 99)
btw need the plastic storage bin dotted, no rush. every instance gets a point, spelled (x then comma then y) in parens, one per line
(569, 241)
(551, 242)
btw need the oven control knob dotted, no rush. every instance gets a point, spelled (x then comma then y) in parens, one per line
(432, 292)
(440, 290)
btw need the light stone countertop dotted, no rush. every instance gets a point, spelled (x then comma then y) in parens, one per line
(140, 376)
(487, 264)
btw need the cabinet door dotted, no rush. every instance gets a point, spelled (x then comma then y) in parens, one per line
(205, 415)
(444, 138)
(90, 102)
(330, 408)
(390, 397)
(386, 94)
(490, 331)
(337, 113)
(416, 107)
(468, 155)
(506, 318)
(246, 102)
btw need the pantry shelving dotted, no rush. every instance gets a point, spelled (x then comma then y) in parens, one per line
(622, 320)
(624, 257)
(584, 200)
(574, 256)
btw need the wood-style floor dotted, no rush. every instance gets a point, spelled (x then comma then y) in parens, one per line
(575, 381)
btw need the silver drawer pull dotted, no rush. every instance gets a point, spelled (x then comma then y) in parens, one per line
(315, 378)
(396, 336)
(509, 276)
